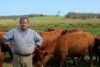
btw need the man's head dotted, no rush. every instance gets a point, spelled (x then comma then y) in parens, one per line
(24, 23)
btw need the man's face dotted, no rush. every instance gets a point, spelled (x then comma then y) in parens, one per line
(24, 24)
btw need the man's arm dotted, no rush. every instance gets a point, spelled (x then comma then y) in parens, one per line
(38, 39)
(7, 38)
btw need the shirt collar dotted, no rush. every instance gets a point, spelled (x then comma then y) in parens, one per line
(21, 30)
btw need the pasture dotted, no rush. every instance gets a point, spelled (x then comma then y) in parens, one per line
(43, 23)
(48, 22)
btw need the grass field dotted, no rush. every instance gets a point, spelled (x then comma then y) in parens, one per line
(43, 23)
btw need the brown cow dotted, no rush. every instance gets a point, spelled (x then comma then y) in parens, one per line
(5, 48)
(48, 37)
(78, 30)
(1, 54)
(47, 54)
(52, 35)
(76, 44)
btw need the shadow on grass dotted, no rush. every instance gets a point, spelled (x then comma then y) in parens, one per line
(85, 63)
(54, 63)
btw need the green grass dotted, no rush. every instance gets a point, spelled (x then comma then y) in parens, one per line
(43, 23)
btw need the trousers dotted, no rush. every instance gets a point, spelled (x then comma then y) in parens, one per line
(22, 61)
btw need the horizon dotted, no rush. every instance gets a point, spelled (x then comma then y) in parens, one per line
(46, 15)
(46, 7)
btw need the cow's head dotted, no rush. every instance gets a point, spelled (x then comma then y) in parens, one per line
(42, 54)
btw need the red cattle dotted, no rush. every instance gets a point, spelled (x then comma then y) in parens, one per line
(1, 54)
(76, 44)
(47, 54)
(47, 37)
(5, 48)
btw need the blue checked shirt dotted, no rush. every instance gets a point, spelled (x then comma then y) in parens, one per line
(22, 44)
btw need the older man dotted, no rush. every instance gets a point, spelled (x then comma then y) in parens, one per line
(22, 41)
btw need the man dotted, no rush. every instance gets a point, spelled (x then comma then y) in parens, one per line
(22, 41)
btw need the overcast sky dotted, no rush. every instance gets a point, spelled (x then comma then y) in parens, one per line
(48, 7)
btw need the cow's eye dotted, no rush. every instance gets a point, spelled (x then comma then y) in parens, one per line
(45, 53)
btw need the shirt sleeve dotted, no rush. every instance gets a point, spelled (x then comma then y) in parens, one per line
(38, 39)
(8, 36)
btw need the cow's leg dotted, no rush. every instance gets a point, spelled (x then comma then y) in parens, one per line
(96, 57)
(8, 49)
(99, 61)
(80, 58)
(74, 62)
(65, 64)
(91, 61)
(63, 59)
(91, 57)
(78, 62)
(99, 58)
(11, 56)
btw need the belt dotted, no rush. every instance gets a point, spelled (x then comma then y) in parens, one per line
(23, 54)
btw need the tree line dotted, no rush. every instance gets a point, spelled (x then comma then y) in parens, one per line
(18, 16)
(73, 15)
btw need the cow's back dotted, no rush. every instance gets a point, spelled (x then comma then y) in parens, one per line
(76, 43)
(48, 37)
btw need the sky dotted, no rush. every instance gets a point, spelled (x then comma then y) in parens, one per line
(48, 7)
